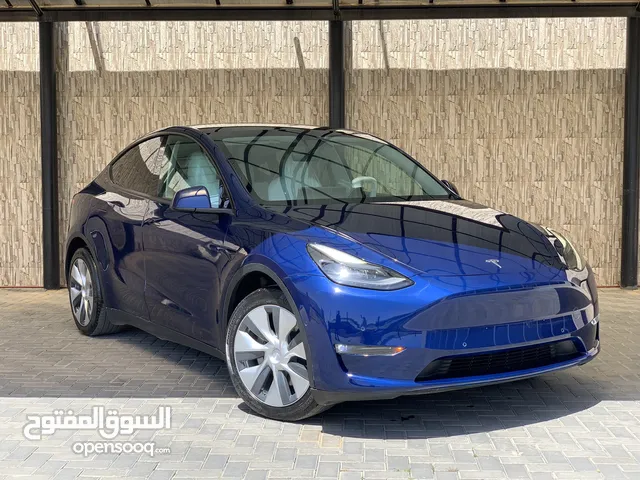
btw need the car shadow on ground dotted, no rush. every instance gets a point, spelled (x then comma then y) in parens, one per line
(460, 412)
(463, 412)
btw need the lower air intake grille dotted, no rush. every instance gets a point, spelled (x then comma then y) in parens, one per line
(499, 362)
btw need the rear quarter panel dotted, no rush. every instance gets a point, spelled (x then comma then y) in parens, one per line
(109, 223)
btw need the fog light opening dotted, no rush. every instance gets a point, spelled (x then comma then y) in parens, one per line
(367, 350)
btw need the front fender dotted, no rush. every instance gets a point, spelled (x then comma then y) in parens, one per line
(313, 331)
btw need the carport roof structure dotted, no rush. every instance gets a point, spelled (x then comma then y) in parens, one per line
(103, 10)
(46, 12)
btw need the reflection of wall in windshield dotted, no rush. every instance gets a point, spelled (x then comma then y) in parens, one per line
(523, 115)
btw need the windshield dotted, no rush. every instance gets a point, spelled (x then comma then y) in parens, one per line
(318, 166)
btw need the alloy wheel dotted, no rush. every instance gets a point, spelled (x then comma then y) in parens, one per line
(81, 291)
(270, 356)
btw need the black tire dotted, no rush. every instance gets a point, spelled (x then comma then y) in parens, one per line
(305, 406)
(97, 323)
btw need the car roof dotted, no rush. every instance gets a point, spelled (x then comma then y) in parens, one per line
(220, 130)
(215, 126)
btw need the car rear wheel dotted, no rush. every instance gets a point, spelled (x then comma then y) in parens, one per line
(267, 357)
(85, 296)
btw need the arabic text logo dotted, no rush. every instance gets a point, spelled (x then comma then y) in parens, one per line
(108, 425)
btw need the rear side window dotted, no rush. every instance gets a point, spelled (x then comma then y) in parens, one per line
(134, 170)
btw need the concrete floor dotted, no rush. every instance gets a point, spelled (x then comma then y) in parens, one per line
(582, 423)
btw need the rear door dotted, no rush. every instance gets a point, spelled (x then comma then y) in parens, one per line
(185, 252)
(119, 222)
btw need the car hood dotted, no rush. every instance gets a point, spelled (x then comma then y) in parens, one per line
(439, 237)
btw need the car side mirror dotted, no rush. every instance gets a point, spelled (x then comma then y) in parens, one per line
(191, 198)
(451, 186)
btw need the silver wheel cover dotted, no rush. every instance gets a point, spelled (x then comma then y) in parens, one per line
(270, 356)
(81, 291)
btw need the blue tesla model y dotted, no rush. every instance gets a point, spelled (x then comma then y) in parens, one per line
(323, 266)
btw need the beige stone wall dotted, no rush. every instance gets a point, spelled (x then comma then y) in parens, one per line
(20, 194)
(524, 115)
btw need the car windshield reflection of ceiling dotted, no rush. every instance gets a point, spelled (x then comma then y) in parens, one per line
(481, 214)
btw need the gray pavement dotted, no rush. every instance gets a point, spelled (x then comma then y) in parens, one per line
(582, 423)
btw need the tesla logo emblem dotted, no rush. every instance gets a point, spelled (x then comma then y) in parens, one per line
(495, 262)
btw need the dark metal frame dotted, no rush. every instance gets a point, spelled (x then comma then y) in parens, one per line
(336, 15)
(49, 156)
(144, 12)
(631, 165)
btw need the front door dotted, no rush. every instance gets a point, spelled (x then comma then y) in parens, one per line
(185, 252)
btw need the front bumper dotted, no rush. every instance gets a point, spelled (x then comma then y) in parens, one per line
(368, 388)
(436, 319)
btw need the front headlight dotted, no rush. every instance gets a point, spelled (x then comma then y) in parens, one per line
(351, 271)
(567, 251)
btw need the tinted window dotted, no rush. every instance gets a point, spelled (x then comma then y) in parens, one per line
(134, 169)
(184, 164)
(281, 165)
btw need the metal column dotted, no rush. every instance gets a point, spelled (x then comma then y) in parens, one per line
(48, 136)
(336, 74)
(631, 166)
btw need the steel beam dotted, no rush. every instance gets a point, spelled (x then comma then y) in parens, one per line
(336, 74)
(49, 158)
(36, 7)
(88, 13)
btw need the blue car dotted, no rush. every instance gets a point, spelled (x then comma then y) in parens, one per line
(323, 266)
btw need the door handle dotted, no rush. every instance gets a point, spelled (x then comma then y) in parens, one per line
(212, 247)
(225, 247)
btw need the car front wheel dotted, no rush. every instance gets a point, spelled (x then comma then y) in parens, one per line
(267, 357)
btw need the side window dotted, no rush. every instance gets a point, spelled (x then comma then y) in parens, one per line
(184, 164)
(135, 169)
